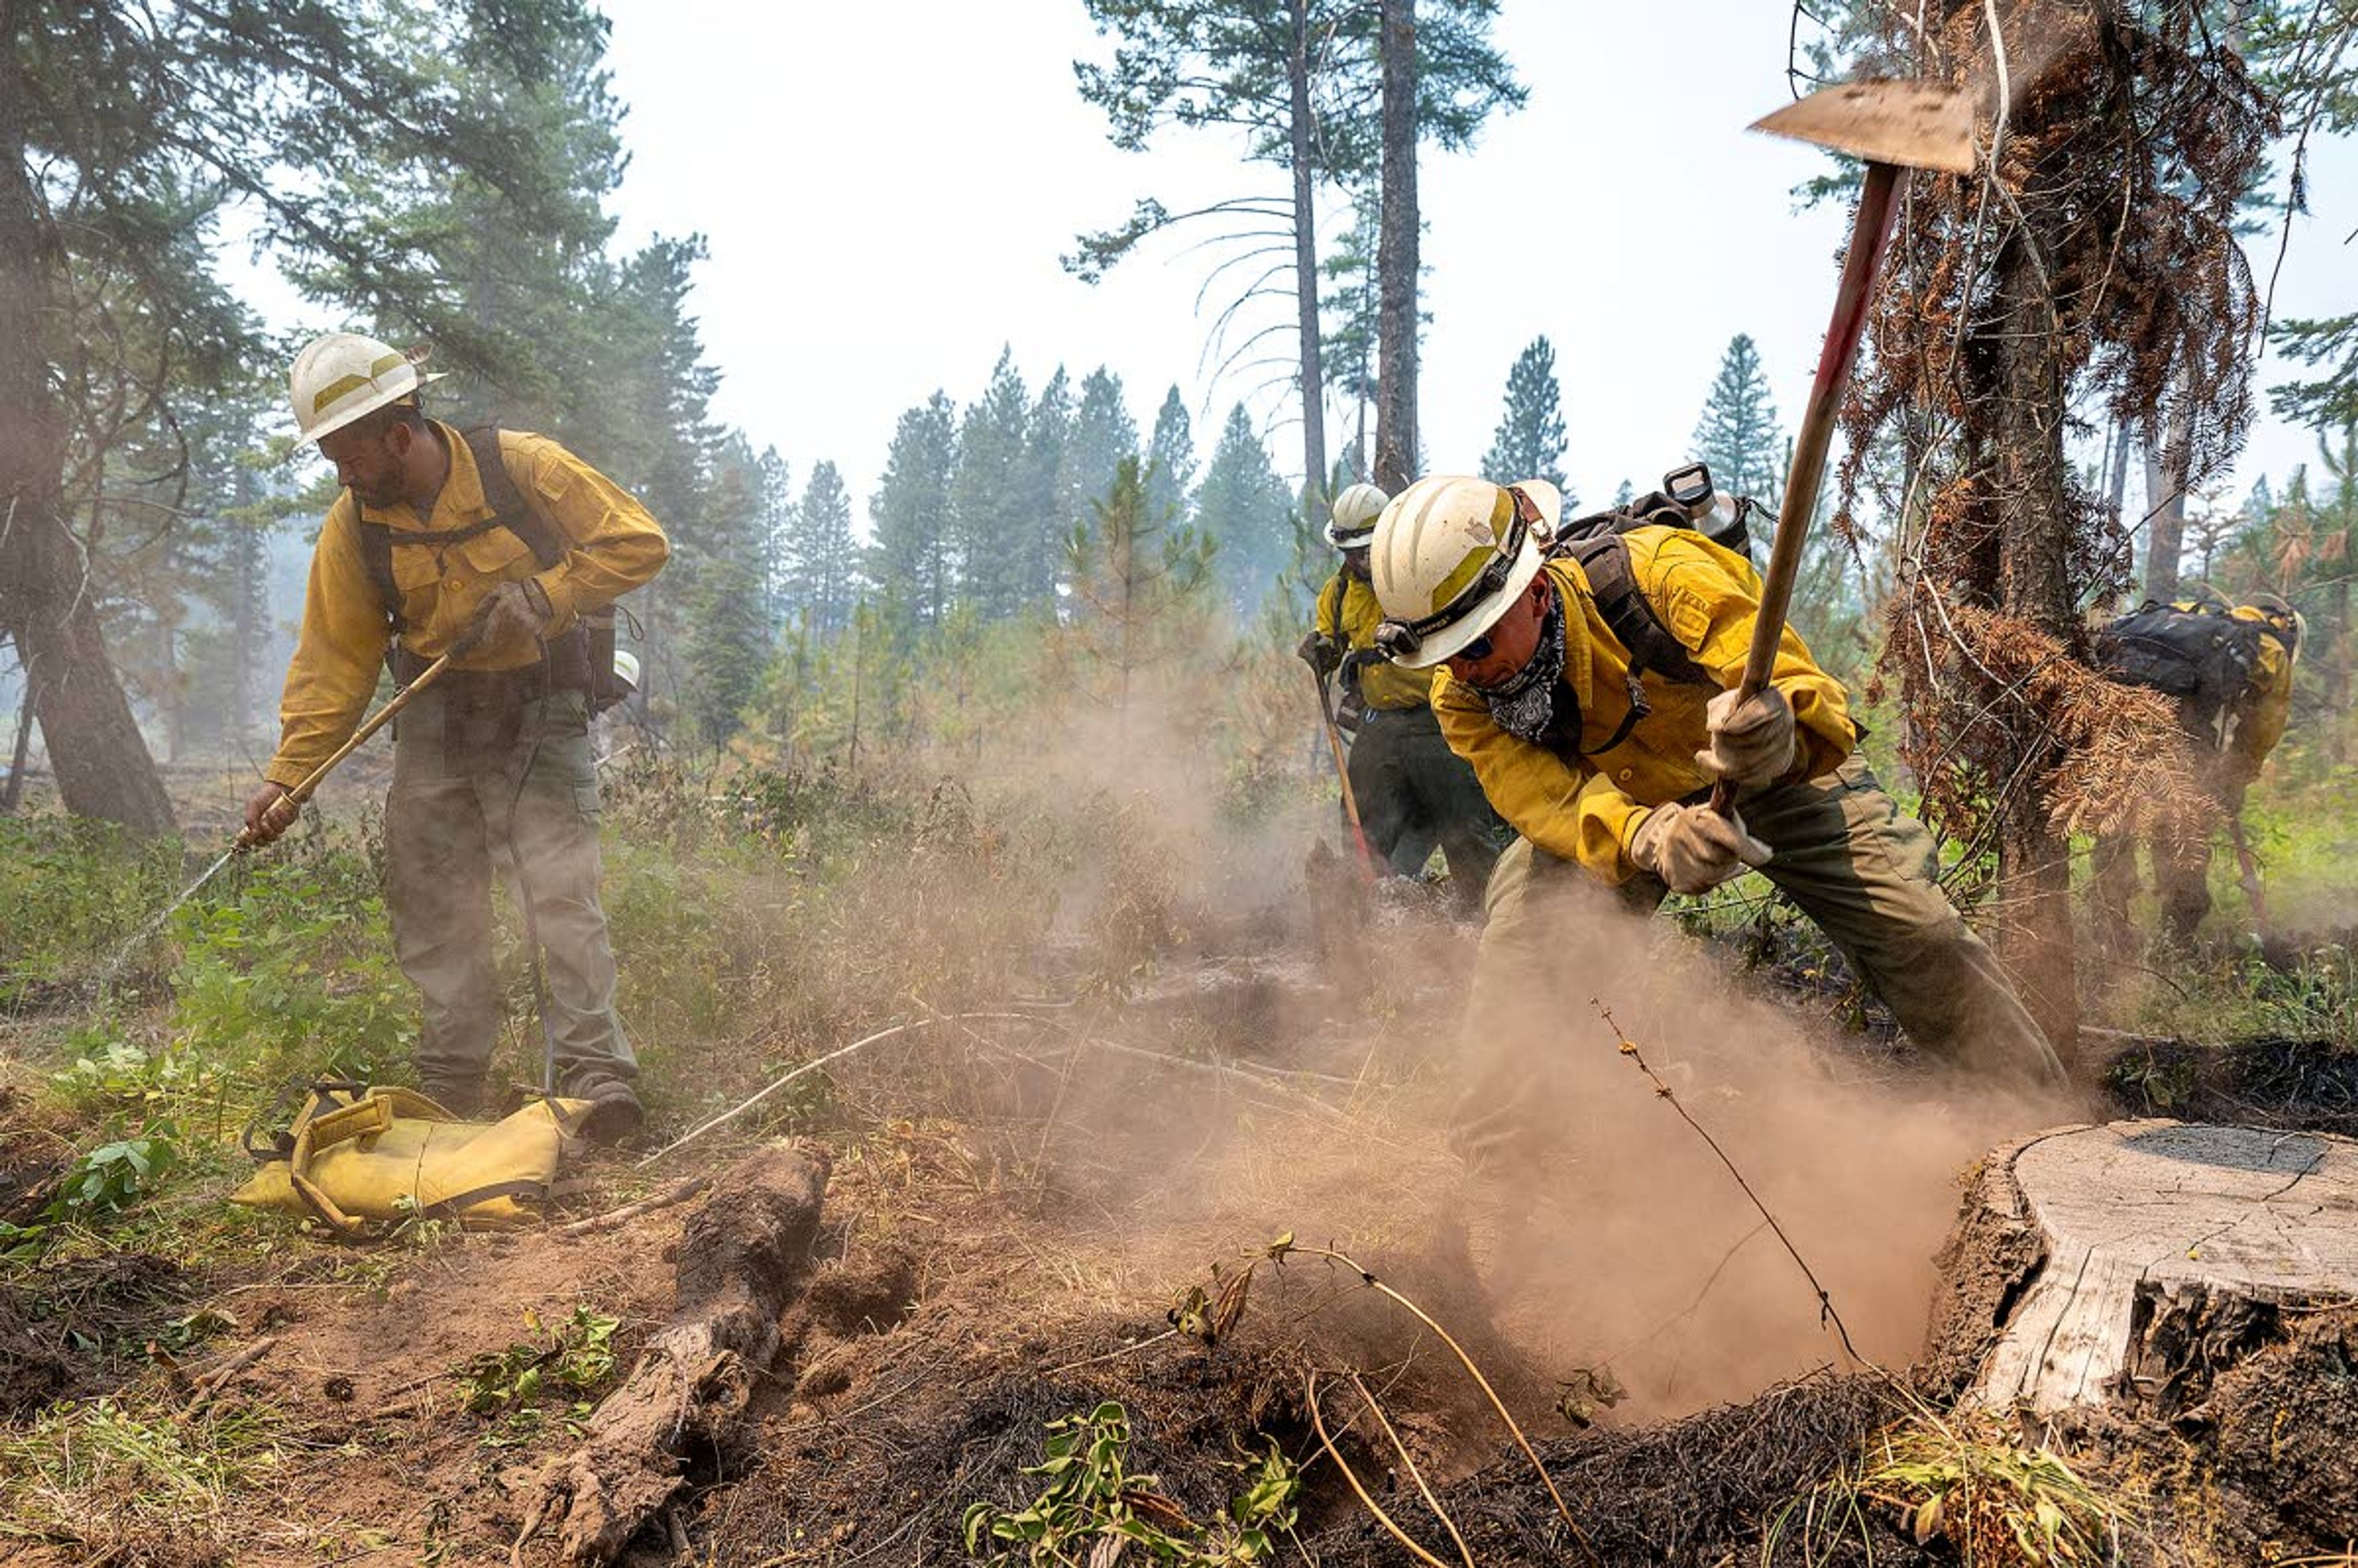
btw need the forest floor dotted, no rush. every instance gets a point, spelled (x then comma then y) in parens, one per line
(1154, 1132)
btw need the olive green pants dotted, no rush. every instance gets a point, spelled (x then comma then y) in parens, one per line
(1863, 870)
(1413, 792)
(474, 785)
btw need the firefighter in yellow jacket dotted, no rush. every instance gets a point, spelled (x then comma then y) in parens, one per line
(2233, 707)
(1411, 791)
(505, 551)
(1591, 685)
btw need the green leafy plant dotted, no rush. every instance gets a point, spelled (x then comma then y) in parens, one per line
(575, 1357)
(1093, 1499)
(107, 1179)
(297, 969)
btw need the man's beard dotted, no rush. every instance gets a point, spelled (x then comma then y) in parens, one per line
(1524, 704)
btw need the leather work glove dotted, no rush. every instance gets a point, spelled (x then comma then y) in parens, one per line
(1694, 849)
(513, 611)
(1321, 652)
(1752, 743)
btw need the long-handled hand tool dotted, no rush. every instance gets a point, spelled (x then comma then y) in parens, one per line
(1343, 775)
(284, 805)
(1892, 126)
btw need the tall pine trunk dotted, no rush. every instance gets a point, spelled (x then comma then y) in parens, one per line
(2165, 500)
(1396, 258)
(49, 601)
(2029, 514)
(1313, 369)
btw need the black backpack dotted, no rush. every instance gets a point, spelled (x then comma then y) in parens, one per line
(583, 658)
(2207, 659)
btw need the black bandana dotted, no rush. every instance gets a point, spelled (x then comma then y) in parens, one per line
(1524, 704)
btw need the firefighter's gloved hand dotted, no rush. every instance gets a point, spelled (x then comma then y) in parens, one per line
(1751, 742)
(1321, 652)
(511, 613)
(1694, 849)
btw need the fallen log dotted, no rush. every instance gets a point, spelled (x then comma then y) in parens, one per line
(2132, 1262)
(742, 1258)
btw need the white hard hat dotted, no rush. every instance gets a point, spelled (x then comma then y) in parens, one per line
(626, 668)
(1355, 513)
(343, 375)
(1451, 555)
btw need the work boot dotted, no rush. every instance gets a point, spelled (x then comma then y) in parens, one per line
(614, 1112)
(462, 1098)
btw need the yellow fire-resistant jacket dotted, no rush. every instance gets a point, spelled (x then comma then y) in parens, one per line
(614, 546)
(2262, 724)
(1349, 613)
(1587, 809)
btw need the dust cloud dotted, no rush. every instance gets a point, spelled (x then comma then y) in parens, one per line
(1626, 1245)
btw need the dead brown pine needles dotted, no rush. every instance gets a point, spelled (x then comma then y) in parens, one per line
(1629, 1048)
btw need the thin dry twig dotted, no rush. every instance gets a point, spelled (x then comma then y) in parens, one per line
(1826, 1302)
(613, 1220)
(1497, 1403)
(1318, 1424)
(1376, 1409)
(209, 1388)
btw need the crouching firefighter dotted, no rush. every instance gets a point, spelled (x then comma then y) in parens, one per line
(1592, 687)
(507, 552)
(2229, 670)
(1412, 790)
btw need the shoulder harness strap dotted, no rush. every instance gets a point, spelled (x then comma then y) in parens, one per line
(510, 510)
(1605, 560)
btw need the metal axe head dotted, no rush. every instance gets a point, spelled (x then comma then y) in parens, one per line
(1912, 124)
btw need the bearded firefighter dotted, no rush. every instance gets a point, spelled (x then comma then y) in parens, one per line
(505, 551)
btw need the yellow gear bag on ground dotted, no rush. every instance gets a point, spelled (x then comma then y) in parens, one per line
(357, 1154)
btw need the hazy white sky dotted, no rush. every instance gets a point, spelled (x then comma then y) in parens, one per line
(886, 188)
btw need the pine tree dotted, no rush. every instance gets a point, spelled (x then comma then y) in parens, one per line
(1738, 434)
(826, 555)
(910, 517)
(777, 526)
(1530, 439)
(1170, 460)
(1245, 509)
(1048, 502)
(987, 497)
(727, 640)
(1103, 435)
(1136, 578)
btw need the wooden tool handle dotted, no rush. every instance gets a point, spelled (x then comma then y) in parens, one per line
(1870, 230)
(292, 801)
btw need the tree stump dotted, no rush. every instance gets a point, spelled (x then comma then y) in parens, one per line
(741, 1259)
(2131, 1262)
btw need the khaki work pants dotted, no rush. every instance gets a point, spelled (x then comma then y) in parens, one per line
(1413, 792)
(476, 783)
(1863, 870)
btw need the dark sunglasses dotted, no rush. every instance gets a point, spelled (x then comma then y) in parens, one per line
(1402, 638)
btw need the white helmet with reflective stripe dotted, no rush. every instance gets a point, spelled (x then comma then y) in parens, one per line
(1450, 555)
(1355, 513)
(343, 375)
(626, 668)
